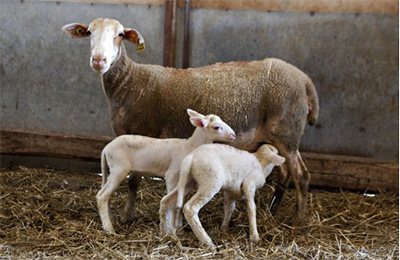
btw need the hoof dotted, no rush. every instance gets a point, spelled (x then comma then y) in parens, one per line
(224, 228)
(127, 218)
(255, 239)
(110, 232)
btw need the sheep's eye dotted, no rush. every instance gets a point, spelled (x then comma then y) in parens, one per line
(217, 127)
(89, 32)
(121, 35)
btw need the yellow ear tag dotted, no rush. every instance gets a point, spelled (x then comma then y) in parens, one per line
(140, 47)
(79, 31)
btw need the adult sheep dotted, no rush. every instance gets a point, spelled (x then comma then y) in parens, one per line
(267, 101)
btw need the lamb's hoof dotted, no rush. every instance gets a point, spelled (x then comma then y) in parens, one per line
(212, 246)
(110, 231)
(209, 244)
(255, 239)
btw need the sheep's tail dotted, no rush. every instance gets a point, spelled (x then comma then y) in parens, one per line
(313, 103)
(104, 168)
(184, 176)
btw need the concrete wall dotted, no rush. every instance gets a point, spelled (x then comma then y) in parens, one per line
(47, 84)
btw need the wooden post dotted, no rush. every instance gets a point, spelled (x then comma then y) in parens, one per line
(169, 33)
(186, 31)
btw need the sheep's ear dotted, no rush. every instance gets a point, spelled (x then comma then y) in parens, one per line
(193, 113)
(76, 30)
(277, 160)
(198, 122)
(135, 37)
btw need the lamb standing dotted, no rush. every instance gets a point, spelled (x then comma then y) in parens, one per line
(266, 101)
(214, 167)
(154, 157)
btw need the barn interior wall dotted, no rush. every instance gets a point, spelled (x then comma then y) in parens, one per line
(47, 84)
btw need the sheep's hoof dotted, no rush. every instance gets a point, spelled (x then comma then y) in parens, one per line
(224, 227)
(126, 218)
(298, 222)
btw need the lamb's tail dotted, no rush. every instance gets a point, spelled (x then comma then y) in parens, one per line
(184, 178)
(313, 103)
(104, 168)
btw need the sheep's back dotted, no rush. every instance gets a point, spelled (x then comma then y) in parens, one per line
(243, 94)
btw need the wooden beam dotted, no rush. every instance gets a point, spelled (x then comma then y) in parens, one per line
(349, 172)
(125, 2)
(328, 6)
(37, 143)
(169, 33)
(324, 6)
(337, 171)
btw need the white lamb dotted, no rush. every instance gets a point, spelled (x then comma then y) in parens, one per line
(214, 167)
(154, 157)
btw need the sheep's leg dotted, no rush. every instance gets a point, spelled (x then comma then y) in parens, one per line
(303, 187)
(229, 207)
(300, 180)
(103, 197)
(283, 182)
(166, 206)
(249, 192)
(191, 211)
(128, 213)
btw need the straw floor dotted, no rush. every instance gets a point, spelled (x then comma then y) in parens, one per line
(48, 214)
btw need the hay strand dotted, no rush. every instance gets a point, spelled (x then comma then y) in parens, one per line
(48, 214)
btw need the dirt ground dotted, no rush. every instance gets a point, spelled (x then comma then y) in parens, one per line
(48, 214)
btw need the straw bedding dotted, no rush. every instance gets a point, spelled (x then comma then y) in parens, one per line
(48, 214)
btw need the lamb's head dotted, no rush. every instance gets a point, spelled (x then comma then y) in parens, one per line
(106, 36)
(212, 126)
(268, 156)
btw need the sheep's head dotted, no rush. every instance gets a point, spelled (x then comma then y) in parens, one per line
(214, 128)
(106, 36)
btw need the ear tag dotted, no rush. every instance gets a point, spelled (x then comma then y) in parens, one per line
(140, 47)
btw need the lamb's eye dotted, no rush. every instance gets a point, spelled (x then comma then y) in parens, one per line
(217, 127)
(89, 32)
(121, 35)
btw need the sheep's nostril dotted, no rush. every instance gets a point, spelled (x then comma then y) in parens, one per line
(99, 60)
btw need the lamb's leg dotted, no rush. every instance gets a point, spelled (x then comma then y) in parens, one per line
(129, 210)
(103, 196)
(167, 206)
(171, 181)
(229, 207)
(283, 182)
(191, 185)
(249, 192)
(191, 211)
